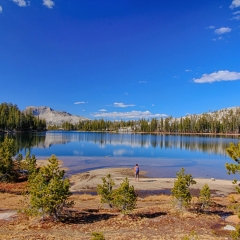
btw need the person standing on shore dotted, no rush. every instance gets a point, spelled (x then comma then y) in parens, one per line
(136, 172)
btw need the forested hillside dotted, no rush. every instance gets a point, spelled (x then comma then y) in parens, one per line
(12, 119)
(225, 121)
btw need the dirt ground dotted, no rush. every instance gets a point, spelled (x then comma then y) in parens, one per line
(154, 218)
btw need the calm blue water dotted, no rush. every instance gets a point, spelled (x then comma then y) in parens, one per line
(159, 155)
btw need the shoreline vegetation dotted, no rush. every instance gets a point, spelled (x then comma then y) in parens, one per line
(154, 217)
(222, 122)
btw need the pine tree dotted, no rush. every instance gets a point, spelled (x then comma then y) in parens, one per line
(233, 152)
(125, 197)
(205, 196)
(49, 190)
(7, 151)
(106, 190)
(30, 163)
(181, 191)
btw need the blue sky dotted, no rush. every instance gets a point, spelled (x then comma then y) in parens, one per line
(123, 59)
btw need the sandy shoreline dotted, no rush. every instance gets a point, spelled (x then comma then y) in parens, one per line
(88, 181)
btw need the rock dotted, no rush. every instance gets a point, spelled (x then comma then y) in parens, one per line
(232, 219)
(53, 117)
(229, 227)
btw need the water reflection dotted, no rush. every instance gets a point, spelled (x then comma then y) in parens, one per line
(124, 143)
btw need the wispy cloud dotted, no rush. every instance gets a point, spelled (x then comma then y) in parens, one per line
(237, 12)
(210, 27)
(127, 115)
(153, 105)
(223, 30)
(235, 4)
(218, 77)
(188, 70)
(80, 102)
(236, 17)
(142, 81)
(122, 105)
(21, 3)
(48, 3)
(102, 110)
(1, 9)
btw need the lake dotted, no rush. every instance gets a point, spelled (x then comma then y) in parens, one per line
(159, 155)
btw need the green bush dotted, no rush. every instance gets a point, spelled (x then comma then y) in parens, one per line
(97, 236)
(48, 190)
(181, 191)
(205, 197)
(123, 197)
(106, 190)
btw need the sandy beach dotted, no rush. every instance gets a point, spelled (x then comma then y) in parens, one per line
(87, 182)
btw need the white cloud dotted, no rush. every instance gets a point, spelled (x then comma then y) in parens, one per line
(80, 102)
(48, 3)
(142, 81)
(223, 30)
(132, 114)
(153, 105)
(21, 3)
(235, 4)
(188, 70)
(102, 110)
(1, 9)
(237, 12)
(218, 77)
(122, 105)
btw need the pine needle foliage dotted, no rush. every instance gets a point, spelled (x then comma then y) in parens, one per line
(205, 197)
(106, 190)
(233, 152)
(181, 191)
(29, 164)
(7, 151)
(48, 190)
(97, 236)
(123, 197)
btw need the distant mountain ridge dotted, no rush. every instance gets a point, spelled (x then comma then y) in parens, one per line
(218, 114)
(54, 117)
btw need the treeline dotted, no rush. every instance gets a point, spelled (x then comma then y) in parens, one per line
(224, 121)
(12, 119)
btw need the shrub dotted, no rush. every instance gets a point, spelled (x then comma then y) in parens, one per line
(48, 190)
(106, 190)
(205, 197)
(181, 191)
(97, 236)
(123, 197)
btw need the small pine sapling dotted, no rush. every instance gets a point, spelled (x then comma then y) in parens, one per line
(125, 197)
(181, 191)
(48, 190)
(233, 152)
(105, 190)
(205, 197)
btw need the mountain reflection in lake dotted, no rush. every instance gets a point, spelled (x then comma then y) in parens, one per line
(160, 155)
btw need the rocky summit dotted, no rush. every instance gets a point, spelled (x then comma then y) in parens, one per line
(54, 117)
